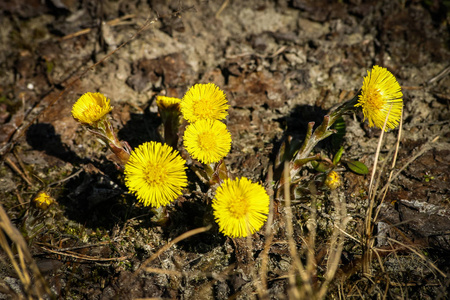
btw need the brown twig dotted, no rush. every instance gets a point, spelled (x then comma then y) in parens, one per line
(31, 278)
(439, 76)
(262, 288)
(368, 238)
(112, 23)
(297, 264)
(15, 168)
(419, 255)
(173, 242)
(22, 166)
(67, 178)
(222, 7)
(84, 257)
(73, 248)
(424, 149)
(192, 274)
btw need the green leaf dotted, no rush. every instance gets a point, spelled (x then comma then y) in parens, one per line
(322, 167)
(338, 138)
(357, 167)
(337, 156)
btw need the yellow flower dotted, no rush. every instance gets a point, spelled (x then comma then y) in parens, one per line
(164, 102)
(207, 140)
(43, 200)
(204, 101)
(380, 92)
(240, 207)
(91, 108)
(155, 173)
(333, 180)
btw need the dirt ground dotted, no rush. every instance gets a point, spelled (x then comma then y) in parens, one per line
(281, 64)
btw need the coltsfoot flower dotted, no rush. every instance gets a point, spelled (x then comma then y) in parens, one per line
(91, 108)
(43, 200)
(240, 207)
(380, 92)
(333, 180)
(169, 111)
(208, 141)
(204, 101)
(164, 102)
(156, 174)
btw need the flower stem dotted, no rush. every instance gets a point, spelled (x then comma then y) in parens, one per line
(106, 133)
(313, 137)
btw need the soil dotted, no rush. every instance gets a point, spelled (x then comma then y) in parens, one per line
(281, 64)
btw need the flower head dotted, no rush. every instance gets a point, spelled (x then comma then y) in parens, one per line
(91, 108)
(164, 102)
(43, 200)
(204, 101)
(333, 180)
(207, 140)
(381, 94)
(155, 173)
(240, 207)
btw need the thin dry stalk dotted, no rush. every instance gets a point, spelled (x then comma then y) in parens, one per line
(393, 150)
(34, 284)
(191, 274)
(297, 264)
(262, 286)
(424, 149)
(22, 165)
(394, 160)
(420, 255)
(368, 238)
(222, 7)
(15, 168)
(173, 242)
(311, 264)
(82, 257)
(336, 245)
(252, 270)
(112, 23)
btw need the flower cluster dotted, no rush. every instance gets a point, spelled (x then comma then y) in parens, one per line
(206, 138)
(156, 173)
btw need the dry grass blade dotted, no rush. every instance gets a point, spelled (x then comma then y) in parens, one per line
(222, 7)
(297, 264)
(420, 255)
(194, 274)
(33, 282)
(173, 242)
(79, 256)
(336, 244)
(424, 149)
(262, 284)
(13, 166)
(394, 161)
(115, 22)
(368, 238)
